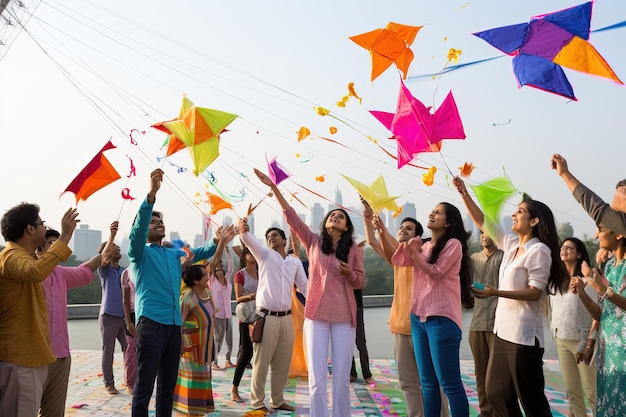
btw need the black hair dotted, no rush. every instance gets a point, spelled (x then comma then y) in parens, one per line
(584, 255)
(280, 231)
(345, 241)
(546, 232)
(193, 274)
(16, 219)
(242, 258)
(419, 230)
(456, 230)
(52, 232)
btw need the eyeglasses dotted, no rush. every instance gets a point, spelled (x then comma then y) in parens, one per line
(567, 248)
(156, 222)
(41, 223)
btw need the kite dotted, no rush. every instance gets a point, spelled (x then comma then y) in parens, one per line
(387, 46)
(216, 202)
(495, 124)
(132, 140)
(303, 133)
(133, 170)
(276, 173)
(198, 129)
(251, 208)
(491, 195)
(454, 55)
(332, 130)
(96, 175)
(376, 195)
(547, 43)
(416, 129)
(320, 178)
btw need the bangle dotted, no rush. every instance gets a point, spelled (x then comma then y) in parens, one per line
(588, 346)
(608, 293)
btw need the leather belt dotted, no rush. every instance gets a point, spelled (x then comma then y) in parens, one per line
(275, 313)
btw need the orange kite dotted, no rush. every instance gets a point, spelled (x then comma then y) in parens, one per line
(389, 45)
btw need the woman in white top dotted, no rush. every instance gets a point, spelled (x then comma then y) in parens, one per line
(530, 268)
(570, 325)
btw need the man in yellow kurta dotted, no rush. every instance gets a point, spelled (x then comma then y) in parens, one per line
(25, 349)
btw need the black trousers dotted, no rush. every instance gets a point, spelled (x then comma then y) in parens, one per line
(361, 345)
(245, 353)
(516, 372)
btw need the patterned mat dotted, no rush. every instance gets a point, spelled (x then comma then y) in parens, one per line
(87, 397)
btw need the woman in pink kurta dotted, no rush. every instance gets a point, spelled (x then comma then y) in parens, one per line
(441, 283)
(335, 269)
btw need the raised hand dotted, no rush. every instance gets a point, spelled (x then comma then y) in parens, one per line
(68, 224)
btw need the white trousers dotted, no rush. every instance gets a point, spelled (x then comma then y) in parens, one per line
(341, 337)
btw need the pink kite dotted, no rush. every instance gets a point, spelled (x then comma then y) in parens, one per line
(418, 130)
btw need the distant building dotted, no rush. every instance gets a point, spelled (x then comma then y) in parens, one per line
(357, 220)
(86, 242)
(317, 214)
(174, 236)
(198, 241)
(338, 201)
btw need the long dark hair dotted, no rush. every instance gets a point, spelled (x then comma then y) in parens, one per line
(345, 241)
(456, 230)
(242, 259)
(584, 255)
(546, 232)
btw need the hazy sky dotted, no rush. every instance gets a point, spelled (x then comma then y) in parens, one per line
(86, 71)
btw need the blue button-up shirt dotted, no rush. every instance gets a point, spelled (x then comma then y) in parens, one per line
(157, 271)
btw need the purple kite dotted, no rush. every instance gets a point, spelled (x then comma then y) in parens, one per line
(276, 173)
(541, 47)
(416, 129)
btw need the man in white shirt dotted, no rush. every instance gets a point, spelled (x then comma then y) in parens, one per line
(277, 274)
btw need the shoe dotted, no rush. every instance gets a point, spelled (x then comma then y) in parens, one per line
(352, 378)
(285, 407)
(264, 409)
(129, 389)
(369, 381)
(111, 389)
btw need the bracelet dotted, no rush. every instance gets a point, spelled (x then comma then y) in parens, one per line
(608, 293)
(588, 346)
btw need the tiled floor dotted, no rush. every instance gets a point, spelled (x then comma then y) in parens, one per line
(87, 397)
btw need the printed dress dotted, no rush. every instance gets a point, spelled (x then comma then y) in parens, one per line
(193, 393)
(611, 367)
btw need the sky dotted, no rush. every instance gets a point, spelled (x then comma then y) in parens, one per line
(82, 72)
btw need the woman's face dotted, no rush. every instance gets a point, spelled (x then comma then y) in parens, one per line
(337, 220)
(437, 219)
(203, 282)
(521, 220)
(569, 253)
(250, 259)
(607, 239)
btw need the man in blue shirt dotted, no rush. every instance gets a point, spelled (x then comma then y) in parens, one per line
(157, 271)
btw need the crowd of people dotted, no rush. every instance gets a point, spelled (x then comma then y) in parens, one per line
(170, 309)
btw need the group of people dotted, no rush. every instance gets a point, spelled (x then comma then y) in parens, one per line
(175, 309)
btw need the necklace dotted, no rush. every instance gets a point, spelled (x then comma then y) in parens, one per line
(202, 294)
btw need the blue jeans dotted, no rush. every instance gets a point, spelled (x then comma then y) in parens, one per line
(437, 343)
(158, 353)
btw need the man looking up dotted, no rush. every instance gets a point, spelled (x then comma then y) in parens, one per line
(111, 317)
(25, 350)
(158, 272)
(277, 274)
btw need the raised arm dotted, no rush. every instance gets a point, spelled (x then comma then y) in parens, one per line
(107, 251)
(370, 234)
(225, 236)
(472, 208)
(267, 181)
(388, 242)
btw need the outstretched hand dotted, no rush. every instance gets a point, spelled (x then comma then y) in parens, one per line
(559, 164)
(264, 178)
(68, 224)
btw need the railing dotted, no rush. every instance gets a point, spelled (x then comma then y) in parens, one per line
(90, 311)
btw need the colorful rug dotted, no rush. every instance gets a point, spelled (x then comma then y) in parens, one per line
(87, 397)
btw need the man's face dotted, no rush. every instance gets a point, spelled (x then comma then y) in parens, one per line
(156, 231)
(406, 231)
(275, 240)
(117, 255)
(486, 241)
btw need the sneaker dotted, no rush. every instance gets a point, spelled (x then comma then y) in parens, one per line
(110, 389)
